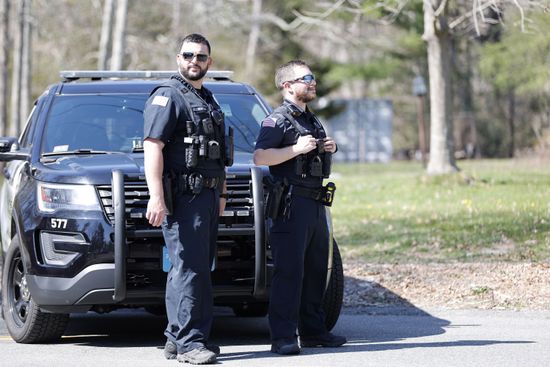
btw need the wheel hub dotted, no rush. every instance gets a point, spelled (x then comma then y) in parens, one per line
(25, 294)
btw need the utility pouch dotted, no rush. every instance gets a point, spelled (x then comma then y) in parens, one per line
(203, 148)
(316, 167)
(167, 187)
(190, 127)
(328, 194)
(274, 199)
(213, 149)
(207, 126)
(191, 156)
(299, 165)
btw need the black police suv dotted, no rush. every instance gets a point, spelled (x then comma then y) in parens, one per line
(73, 200)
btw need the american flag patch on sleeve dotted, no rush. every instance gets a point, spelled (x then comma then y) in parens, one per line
(269, 122)
(160, 101)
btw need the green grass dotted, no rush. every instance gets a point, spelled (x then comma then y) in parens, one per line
(493, 210)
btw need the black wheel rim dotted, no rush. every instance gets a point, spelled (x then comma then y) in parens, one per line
(19, 296)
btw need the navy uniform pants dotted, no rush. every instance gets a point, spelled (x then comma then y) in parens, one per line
(190, 234)
(300, 246)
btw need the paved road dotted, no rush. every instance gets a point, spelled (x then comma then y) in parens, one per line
(382, 337)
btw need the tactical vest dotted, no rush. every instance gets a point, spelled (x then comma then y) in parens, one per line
(204, 139)
(316, 163)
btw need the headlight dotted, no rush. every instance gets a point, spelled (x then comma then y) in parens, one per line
(52, 197)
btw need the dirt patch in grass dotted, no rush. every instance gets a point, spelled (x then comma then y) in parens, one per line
(521, 286)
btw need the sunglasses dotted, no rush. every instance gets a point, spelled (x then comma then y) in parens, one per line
(188, 56)
(307, 79)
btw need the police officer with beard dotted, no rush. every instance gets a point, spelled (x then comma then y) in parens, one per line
(294, 144)
(185, 162)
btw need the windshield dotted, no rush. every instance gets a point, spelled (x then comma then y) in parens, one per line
(95, 122)
(245, 114)
(115, 122)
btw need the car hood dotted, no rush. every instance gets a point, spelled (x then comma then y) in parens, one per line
(88, 169)
(97, 169)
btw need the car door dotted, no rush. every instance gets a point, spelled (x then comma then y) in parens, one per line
(13, 174)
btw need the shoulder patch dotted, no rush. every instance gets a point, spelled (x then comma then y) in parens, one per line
(269, 122)
(160, 101)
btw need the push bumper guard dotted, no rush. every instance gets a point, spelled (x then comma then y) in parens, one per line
(120, 231)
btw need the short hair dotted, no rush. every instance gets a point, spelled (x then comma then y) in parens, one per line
(196, 38)
(285, 72)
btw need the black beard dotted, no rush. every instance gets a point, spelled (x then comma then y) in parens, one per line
(200, 75)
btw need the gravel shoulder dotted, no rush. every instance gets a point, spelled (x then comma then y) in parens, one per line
(497, 286)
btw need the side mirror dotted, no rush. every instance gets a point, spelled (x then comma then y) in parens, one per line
(6, 142)
(9, 150)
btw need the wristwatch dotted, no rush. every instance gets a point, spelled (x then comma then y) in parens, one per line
(224, 195)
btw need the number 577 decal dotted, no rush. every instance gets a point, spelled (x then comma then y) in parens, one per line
(58, 223)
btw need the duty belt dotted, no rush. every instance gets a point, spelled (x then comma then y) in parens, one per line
(174, 184)
(195, 182)
(323, 194)
(210, 182)
(315, 194)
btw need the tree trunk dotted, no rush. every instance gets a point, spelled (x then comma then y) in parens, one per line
(15, 110)
(4, 55)
(26, 66)
(436, 35)
(119, 35)
(176, 19)
(106, 31)
(468, 112)
(253, 39)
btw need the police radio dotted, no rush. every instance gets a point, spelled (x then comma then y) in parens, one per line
(329, 191)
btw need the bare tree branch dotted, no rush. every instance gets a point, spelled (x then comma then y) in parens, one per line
(474, 9)
(301, 19)
(441, 8)
(522, 14)
(470, 14)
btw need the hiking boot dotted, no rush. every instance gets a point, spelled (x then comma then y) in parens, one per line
(323, 340)
(171, 351)
(285, 346)
(199, 355)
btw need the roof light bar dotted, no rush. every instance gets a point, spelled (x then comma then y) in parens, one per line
(138, 74)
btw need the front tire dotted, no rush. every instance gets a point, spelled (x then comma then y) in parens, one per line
(334, 295)
(24, 320)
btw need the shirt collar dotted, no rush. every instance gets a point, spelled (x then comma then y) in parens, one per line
(295, 107)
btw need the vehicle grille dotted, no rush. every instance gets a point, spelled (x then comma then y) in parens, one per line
(238, 211)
